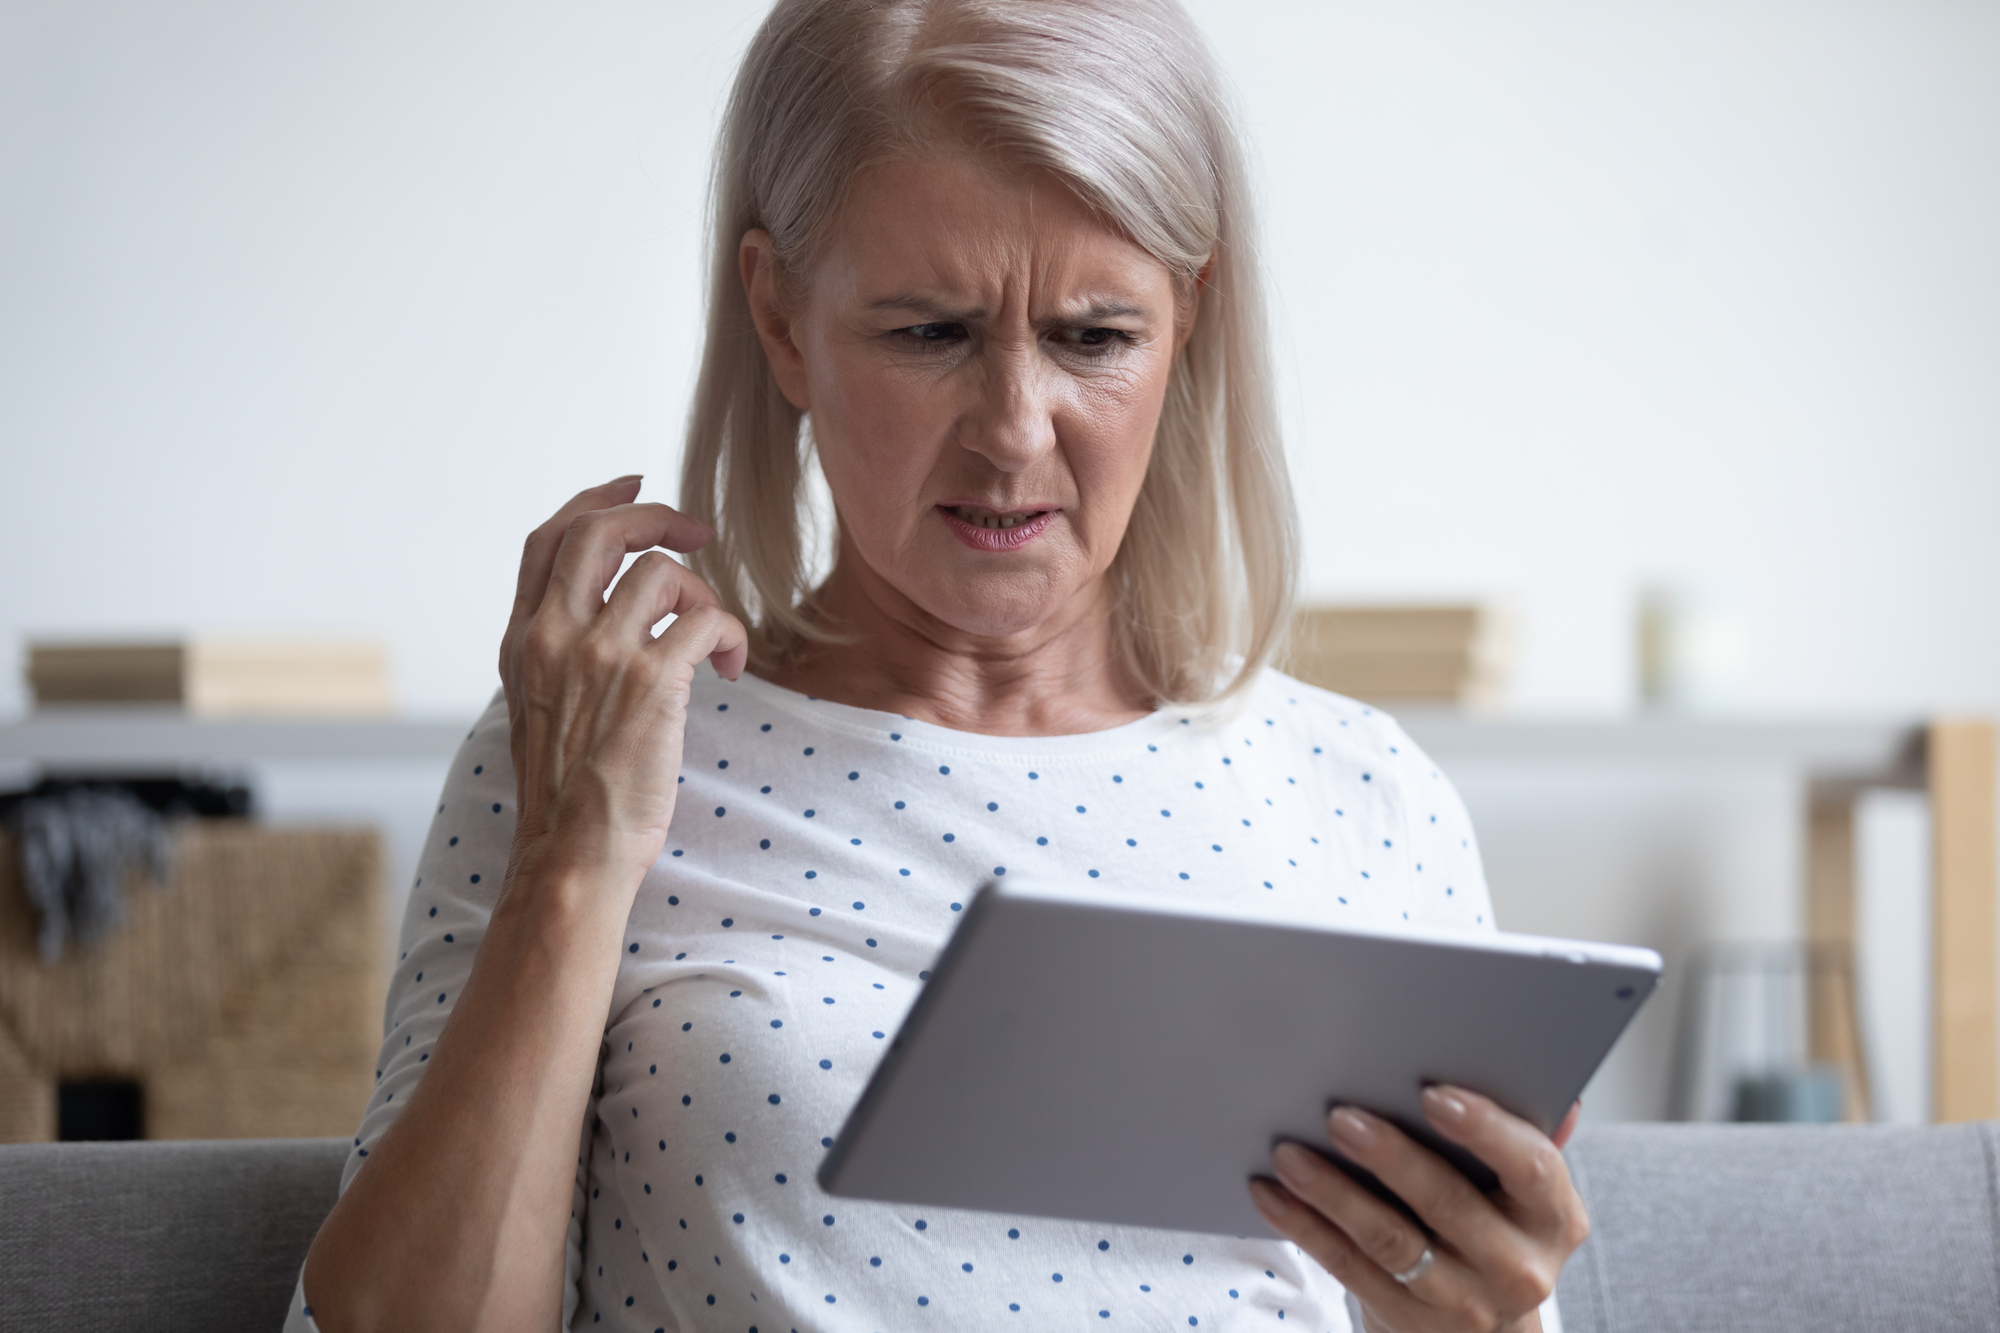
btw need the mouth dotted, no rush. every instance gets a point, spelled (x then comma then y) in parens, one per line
(986, 529)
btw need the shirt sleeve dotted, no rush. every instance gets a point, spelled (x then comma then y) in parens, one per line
(459, 874)
(1446, 876)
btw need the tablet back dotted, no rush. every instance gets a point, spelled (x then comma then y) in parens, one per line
(1096, 1059)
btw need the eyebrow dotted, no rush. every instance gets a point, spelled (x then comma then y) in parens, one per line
(942, 312)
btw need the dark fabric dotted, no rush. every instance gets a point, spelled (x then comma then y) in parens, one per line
(205, 1235)
(1762, 1229)
(78, 846)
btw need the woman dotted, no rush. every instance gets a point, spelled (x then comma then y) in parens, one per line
(679, 890)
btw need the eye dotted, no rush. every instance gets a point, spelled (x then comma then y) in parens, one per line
(934, 333)
(1099, 340)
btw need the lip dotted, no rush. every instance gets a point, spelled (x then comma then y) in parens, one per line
(996, 539)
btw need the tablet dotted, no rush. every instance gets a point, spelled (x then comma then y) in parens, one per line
(1115, 1060)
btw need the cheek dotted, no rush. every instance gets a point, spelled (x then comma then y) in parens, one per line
(876, 433)
(1112, 444)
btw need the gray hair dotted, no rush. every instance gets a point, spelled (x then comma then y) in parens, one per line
(1119, 98)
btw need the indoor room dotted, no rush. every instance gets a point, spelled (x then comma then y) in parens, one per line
(1128, 485)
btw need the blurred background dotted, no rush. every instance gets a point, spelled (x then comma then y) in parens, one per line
(1661, 336)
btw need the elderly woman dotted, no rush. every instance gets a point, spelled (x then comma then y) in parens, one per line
(681, 888)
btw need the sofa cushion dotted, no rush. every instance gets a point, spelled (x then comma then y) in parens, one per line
(1749, 1228)
(201, 1235)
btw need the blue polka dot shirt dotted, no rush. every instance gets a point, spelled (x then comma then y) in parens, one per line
(819, 858)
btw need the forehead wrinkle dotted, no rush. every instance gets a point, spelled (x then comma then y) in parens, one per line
(1023, 261)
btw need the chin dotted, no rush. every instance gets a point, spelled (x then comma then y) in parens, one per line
(994, 607)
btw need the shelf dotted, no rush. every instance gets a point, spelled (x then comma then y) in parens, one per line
(1880, 751)
(143, 737)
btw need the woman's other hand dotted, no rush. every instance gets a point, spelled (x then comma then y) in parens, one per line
(597, 705)
(1495, 1257)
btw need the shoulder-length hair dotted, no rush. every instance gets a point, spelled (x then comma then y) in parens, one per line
(1121, 99)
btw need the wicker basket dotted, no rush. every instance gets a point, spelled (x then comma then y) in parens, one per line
(244, 997)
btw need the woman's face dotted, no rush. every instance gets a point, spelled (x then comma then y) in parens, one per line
(984, 362)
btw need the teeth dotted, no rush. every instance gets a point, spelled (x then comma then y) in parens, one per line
(991, 521)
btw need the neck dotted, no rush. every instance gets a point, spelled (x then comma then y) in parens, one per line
(1056, 678)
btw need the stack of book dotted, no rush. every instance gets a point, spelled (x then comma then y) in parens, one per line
(216, 677)
(1403, 654)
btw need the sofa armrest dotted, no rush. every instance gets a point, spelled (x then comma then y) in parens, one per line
(1783, 1228)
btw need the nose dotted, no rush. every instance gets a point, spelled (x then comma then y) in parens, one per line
(1011, 423)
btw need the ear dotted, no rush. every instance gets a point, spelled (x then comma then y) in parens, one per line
(757, 262)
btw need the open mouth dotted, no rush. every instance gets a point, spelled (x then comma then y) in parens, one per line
(993, 520)
(986, 529)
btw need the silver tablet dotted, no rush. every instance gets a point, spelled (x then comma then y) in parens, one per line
(1113, 1060)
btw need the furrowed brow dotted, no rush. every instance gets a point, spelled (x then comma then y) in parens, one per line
(930, 307)
(1104, 310)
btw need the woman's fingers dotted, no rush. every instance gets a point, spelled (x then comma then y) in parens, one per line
(1377, 1230)
(1341, 1255)
(1435, 1190)
(596, 542)
(657, 586)
(1530, 1166)
(538, 555)
(711, 632)
(1513, 1265)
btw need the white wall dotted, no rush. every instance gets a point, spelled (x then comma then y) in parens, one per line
(309, 313)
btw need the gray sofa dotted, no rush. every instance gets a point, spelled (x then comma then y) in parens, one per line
(1741, 1228)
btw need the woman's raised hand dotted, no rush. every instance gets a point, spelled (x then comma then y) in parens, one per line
(1494, 1258)
(597, 706)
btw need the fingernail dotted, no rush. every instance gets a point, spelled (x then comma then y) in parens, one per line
(629, 476)
(1350, 1126)
(1295, 1165)
(1444, 1104)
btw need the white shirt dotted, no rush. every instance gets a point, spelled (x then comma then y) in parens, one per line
(818, 859)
